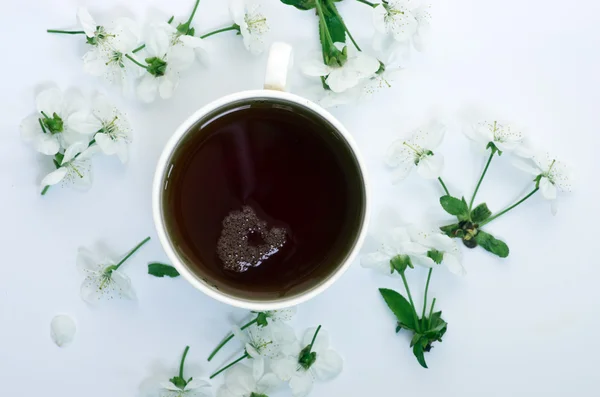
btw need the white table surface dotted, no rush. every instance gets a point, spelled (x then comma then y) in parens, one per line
(525, 326)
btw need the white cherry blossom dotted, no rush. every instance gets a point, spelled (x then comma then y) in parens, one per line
(418, 151)
(312, 360)
(552, 176)
(75, 168)
(252, 23)
(358, 66)
(400, 23)
(112, 127)
(434, 240)
(103, 276)
(109, 45)
(49, 129)
(503, 136)
(165, 58)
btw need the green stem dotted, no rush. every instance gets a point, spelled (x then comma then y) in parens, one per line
(444, 186)
(481, 179)
(430, 313)
(65, 31)
(185, 352)
(140, 48)
(45, 190)
(232, 27)
(137, 247)
(314, 338)
(337, 14)
(132, 59)
(499, 214)
(426, 290)
(230, 365)
(171, 19)
(229, 338)
(411, 302)
(193, 13)
(368, 3)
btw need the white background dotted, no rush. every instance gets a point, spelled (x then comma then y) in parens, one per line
(524, 326)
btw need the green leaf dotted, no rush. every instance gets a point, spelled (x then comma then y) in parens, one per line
(492, 244)
(261, 319)
(161, 270)
(301, 4)
(480, 213)
(454, 230)
(400, 307)
(437, 326)
(418, 352)
(435, 255)
(334, 23)
(455, 207)
(400, 263)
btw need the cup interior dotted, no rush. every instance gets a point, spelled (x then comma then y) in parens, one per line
(192, 263)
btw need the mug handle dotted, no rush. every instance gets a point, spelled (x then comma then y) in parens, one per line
(279, 63)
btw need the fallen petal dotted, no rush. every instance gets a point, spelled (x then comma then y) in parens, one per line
(62, 330)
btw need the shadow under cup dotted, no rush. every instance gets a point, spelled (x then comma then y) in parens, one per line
(263, 200)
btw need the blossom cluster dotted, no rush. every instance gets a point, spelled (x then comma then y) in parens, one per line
(71, 130)
(153, 57)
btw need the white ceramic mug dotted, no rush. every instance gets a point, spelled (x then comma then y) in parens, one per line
(279, 62)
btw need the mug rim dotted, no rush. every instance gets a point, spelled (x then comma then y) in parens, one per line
(157, 185)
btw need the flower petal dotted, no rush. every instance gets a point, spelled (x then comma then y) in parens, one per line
(378, 261)
(46, 144)
(284, 368)
(169, 386)
(180, 57)
(62, 330)
(54, 177)
(73, 101)
(167, 86)
(547, 188)
(329, 364)
(237, 9)
(147, 89)
(315, 68)
(49, 101)
(430, 167)
(30, 127)
(106, 144)
(239, 380)
(267, 382)
(379, 13)
(87, 22)
(365, 65)
(84, 123)
(94, 62)
(342, 79)
(301, 384)
(196, 384)
(157, 42)
(123, 283)
(453, 263)
(224, 392)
